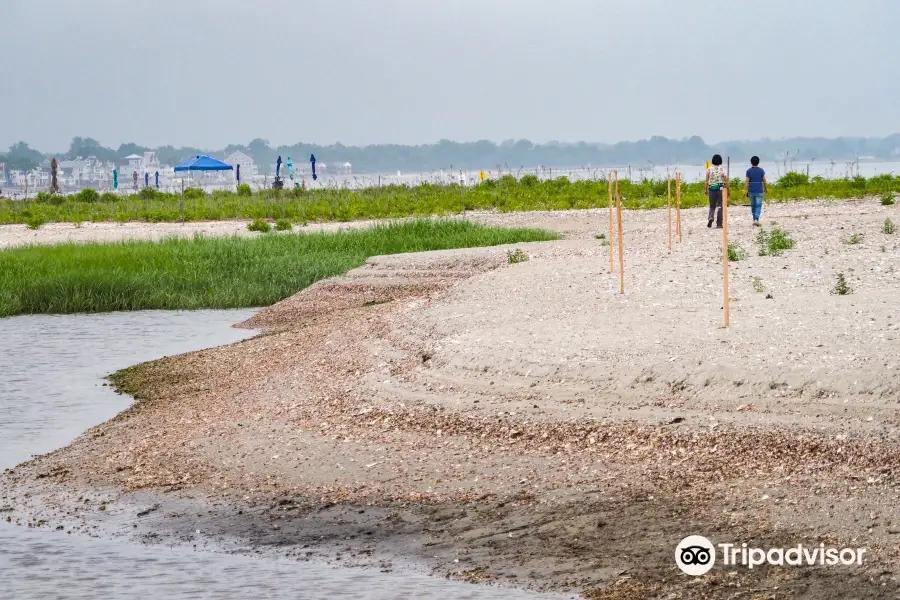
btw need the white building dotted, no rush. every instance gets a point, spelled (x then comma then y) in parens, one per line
(35, 179)
(135, 163)
(249, 170)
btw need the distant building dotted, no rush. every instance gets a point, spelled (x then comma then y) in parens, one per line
(248, 166)
(135, 163)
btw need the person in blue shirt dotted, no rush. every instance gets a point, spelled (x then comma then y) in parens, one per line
(756, 186)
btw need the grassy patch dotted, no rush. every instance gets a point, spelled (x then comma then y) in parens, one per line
(887, 199)
(757, 283)
(506, 193)
(774, 242)
(856, 238)
(214, 272)
(888, 227)
(283, 225)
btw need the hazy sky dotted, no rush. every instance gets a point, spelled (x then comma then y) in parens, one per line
(207, 73)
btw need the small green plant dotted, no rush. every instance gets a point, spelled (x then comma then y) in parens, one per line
(841, 288)
(260, 226)
(147, 193)
(600, 236)
(735, 252)
(888, 227)
(194, 193)
(516, 256)
(793, 179)
(87, 195)
(283, 225)
(856, 238)
(773, 243)
(35, 221)
(244, 190)
(757, 283)
(529, 180)
(887, 198)
(883, 248)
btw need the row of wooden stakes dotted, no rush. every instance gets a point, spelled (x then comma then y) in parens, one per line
(613, 181)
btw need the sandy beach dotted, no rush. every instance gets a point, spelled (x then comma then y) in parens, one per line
(526, 423)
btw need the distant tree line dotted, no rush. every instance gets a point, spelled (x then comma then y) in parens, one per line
(510, 154)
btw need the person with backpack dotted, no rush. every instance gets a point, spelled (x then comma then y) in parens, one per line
(716, 180)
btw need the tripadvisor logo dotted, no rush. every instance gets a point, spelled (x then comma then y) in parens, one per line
(696, 555)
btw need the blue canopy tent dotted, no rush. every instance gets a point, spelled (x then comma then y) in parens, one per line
(199, 163)
(203, 163)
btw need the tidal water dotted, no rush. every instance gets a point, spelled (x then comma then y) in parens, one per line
(52, 371)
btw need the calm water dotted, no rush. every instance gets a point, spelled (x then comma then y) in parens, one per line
(51, 376)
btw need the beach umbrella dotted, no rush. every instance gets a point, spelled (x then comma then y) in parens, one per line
(290, 165)
(312, 163)
(146, 179)
(134, 178)
(237, 173)
(156, 175)
(278, 167)
(115, 179)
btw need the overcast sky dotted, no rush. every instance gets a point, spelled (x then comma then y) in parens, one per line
(207, 73)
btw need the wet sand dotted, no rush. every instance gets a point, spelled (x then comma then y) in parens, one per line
(531, 423)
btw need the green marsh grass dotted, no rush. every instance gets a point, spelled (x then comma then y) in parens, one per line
(394, 201)
(232, 272)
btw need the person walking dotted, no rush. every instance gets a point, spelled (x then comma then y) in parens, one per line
(756, 186)
(716, 180)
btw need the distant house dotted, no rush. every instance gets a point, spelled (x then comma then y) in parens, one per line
(135, 163)
(248, 166)
(72, 172)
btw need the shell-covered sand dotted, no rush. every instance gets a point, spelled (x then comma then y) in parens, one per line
(526, 423)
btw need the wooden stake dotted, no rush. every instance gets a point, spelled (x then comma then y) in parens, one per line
(669, 206)
(621, 240)
(726, 306)
(609, 178)
(678, 204)
(728, 175)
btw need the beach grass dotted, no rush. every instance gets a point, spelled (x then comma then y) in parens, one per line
(233, 272)
(506, 194)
